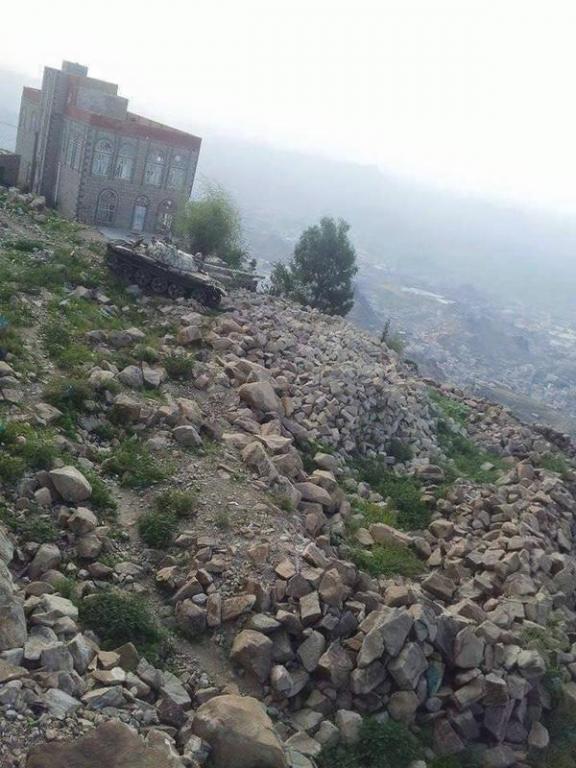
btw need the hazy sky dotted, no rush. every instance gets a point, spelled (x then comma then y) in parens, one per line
(478, 95)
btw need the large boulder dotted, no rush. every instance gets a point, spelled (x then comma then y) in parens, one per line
(260, 396)
(71, 484)
(239, 732)
(111, 745)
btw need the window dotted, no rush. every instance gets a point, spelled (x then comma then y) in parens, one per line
(73, 151)
(102, 157)
(125, 161)
(106, 207)
(165, 216)
(154, 168)
(23, 118)
(177, 172)
(34, 121)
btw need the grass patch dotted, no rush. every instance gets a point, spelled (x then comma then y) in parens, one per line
(450, 409)
(400, 451)
(179, 367)
(561, 753)
(31, 527)
(179, 503)
(157, 528)
(554, 462)
(133, 463)
(67, 588)
(386, 745)
(101, 499)
(69, 394)
(466, 458)
(24, 448)
(374, 513)
(404, 491)
(121, 617)
(387, 560)
(222, 519)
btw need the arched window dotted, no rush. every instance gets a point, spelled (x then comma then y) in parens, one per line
(140, 211)
(73, 151)
(106, 207)
(177, 171)
(154, 168)
(125, 161)
(102, 160)
(165, 216)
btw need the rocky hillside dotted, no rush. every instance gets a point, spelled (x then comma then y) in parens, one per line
(255, 539)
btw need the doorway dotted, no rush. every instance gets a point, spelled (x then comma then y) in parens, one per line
(139, 218)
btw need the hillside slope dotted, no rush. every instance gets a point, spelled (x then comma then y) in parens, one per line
(204, 511)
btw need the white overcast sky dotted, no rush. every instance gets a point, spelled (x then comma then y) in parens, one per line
(474, 94)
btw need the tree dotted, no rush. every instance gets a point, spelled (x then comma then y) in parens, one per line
(321, 270)
(212, 225)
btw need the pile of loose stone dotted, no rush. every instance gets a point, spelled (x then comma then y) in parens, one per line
(321, 642)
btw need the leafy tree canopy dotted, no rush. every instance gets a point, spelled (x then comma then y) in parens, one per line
(321, 270)
(212, 225)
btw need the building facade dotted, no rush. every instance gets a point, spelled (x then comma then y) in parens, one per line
(9, 167)
(96, 162)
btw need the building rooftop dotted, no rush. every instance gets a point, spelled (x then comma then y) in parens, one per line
(32, 94)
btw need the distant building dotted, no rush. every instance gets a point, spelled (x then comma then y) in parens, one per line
(95, 161)
(9, 164)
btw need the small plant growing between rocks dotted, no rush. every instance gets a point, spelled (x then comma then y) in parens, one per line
(135, 465)
(554, 462)
(24, 448)
(380, 745)
(179, 367)
(180, 503)
(157, 528)
(405, 493)
(387, 560)
(121, 617)
(222, 519)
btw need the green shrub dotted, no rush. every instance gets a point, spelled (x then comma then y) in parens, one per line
(554, 462)
(222, 519)
(157, 528)
(404, 491)
(471, 758)
(466, 458)
(31, 527)
(135, 465)
(387, 745)
(375, 513)
(144, 353)
(11, 467)
(121, 617)
(400, 451)
(25, 245)
(69, 395)
(101, 499)
(387, 560)
(24, 448)
(180, 503)
(561, 753)
(179, 367)
(67, 588)
(450, 408)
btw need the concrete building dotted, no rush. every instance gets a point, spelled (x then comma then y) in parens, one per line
(95, 161)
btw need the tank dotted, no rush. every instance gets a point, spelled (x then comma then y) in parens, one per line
(132, 264)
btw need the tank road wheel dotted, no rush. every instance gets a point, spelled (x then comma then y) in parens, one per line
(175, 291)
(142, 278)
(210, 297)
(159, 285)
